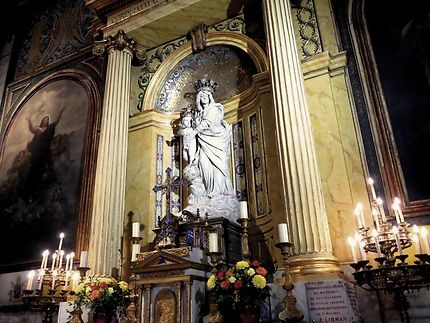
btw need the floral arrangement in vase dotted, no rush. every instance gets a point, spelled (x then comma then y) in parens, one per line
(103, 295)
(243, 286)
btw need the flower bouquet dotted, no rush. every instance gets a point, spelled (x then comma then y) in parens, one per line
(242, 286)
(104, 295)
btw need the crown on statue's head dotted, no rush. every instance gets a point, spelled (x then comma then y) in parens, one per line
(205, 84)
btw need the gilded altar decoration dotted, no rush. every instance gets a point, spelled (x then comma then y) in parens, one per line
(242, 286)
(103, 295)
(165, 307)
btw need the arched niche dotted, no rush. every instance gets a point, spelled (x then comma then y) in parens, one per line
(165, 307)
(237, 56)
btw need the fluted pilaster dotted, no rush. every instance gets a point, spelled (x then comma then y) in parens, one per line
(304, 203)
(109, 191)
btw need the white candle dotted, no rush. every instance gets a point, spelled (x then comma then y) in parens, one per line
(283, 232)
(423, 233)
(213, 242)
(243, 214)
(75, 279)
(84, 259)
(30, 280)
(41, 273)
(67, 279)
(399, 210)
(416, 239)
(352, 244)
(395, 207)
(54, 277)
(135, 230)
(372, 188)
(72, 255)
(67, 262)
(375, 215)
(44, 263)
(360, 246)
(399, 245)
(381, 209)
(378, 247)
(61, 259)
(358, 212)
(135, 250)
(54, 256)
(61, 240)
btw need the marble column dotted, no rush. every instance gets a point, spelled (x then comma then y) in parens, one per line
(109, 191)
(304, 204)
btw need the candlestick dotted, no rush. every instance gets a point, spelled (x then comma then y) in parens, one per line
(243, 214)
(372, 188)
(84, 259)
(30, 280)
(378, 247)
(395, 231)
(61, 240)
(135, 230)
(213, 242)
(135, 251)
(283, 233)
(351, 243)
(423, 233)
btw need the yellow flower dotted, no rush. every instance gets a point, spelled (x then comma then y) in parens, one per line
(106, 280)
(242, 264)
(123, 285)
(211, 281)
(88, 290)
(79, 288)
(259, 281)
(250, 271)
(110, 290)
(232, 279)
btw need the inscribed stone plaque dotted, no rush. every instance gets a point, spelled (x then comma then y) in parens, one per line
(328, 301)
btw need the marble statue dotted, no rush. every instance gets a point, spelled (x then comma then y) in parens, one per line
(206, 142)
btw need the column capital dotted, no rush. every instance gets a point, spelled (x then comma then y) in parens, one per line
(120, 42)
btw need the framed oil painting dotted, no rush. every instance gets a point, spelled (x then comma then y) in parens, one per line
(47, 153)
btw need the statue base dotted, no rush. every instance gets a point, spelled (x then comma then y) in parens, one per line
(226, 206)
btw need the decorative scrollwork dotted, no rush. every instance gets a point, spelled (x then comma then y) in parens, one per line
(308, 28)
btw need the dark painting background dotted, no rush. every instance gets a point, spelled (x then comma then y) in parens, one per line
(401, 44)
(40, 173)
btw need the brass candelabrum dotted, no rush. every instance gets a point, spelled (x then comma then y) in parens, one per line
(392, 274)
(290, 313)
(52, 284)
(244, 221)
